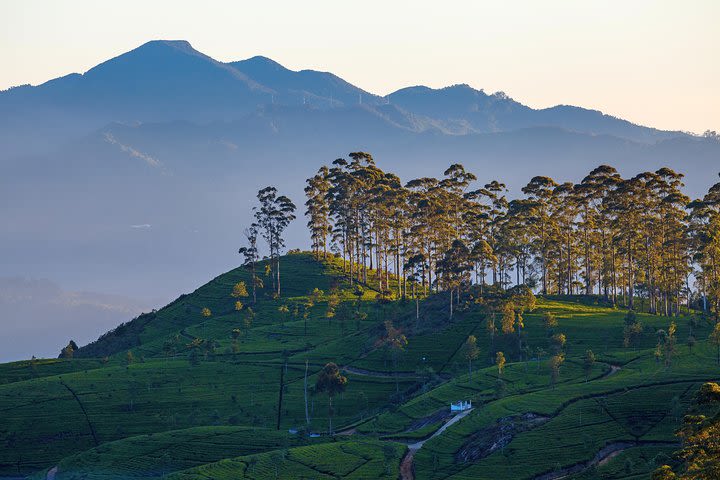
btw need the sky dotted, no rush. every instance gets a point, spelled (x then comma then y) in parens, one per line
(652, 62)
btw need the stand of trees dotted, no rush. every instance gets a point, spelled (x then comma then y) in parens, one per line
(272, 216)
(637, 241)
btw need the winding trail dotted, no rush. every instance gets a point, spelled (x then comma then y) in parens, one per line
(406, 466)
(605, 455)
(51, 473)
(602, 457)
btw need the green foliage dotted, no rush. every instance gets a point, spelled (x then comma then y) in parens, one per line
(500, 362)
(239, 290)
(550, 320)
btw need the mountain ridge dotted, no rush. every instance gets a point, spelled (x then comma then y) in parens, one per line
(166, 80)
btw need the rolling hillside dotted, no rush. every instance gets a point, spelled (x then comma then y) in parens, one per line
(118, 167)
(193, 390)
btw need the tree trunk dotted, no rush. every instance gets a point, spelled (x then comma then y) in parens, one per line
(254, 280)
(305, 388)
(280, 395)
(630, 281)
(278, 274)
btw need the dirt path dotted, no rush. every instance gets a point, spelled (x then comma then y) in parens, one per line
(376, 374)
(51, 473)
(613, 370)
(607, 453)
(406, 466)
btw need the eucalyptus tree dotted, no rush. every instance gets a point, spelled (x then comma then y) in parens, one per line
(386, 215)
(331, 382)
(673, 252)
(339, 199)
(251, 255)
(542, 225)
(424, 220)
(395, 199)
(470, 352)
(366, 175)
(516, 233)
(453, 269)
(565, 213)
(705, 246)
(606, 234)
(494, 206)
(624, 205)
(455, 184)
(595, 238)
(394, 342)
(274, 215)
(318, 210)
(345, 202)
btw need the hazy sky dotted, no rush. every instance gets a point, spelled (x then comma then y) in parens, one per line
(652, 62)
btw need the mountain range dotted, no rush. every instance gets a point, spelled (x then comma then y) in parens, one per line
(137, 177)
(164, 81)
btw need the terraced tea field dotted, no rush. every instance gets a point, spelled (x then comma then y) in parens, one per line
(228, 393)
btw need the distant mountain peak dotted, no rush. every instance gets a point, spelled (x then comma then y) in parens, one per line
(461, 86)
(148, 54)
(455, 89)
(261, 61)
(170, 43)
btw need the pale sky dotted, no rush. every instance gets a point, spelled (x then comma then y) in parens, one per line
(652, 62)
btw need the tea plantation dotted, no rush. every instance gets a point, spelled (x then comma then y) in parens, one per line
(209, 388)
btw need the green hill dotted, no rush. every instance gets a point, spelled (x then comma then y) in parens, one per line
(193, 390)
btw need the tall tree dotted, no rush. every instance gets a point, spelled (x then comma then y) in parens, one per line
(500, 362)
(273, 215)
(715, 340)
(318, 210)
(453, 269)
(394, 341)
(540, 193)
(330, 382)
(470, 352)
(555, 363)
(251, 256)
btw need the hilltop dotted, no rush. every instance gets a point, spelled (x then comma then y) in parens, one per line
(164, 128)
(192, 390)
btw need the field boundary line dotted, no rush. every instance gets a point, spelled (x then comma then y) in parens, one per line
(82, 407)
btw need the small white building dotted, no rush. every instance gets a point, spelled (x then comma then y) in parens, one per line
(461, 406)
